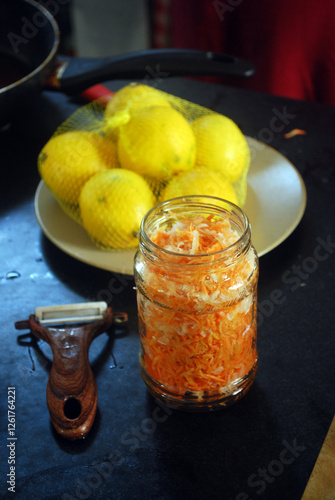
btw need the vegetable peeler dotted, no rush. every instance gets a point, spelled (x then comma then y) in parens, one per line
(72, 394)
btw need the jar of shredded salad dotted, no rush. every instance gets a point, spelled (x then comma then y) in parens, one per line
(196, 275)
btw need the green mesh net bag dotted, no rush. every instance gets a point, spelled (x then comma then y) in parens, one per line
(107, 165)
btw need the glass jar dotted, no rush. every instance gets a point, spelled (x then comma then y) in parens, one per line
(196, 275)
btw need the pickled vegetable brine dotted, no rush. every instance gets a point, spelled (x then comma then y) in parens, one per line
(196, 276)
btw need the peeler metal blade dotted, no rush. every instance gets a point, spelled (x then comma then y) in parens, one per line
(71, 313)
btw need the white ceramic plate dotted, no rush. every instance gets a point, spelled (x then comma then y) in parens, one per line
(275, 204)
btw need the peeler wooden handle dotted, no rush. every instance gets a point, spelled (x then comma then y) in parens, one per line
(71, 390)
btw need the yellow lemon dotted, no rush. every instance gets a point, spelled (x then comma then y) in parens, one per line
(221, 145)
(200, 181)
(133, 97)
(112, 205)
(127, 101)
(157, 142)
(68, 160)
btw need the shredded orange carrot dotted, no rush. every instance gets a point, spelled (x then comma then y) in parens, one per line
(294, 132)
(198, 326)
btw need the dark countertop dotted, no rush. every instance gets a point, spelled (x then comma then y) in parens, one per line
(263, 447)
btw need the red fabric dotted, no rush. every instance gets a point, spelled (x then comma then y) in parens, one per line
(290, 42)
(162, 23)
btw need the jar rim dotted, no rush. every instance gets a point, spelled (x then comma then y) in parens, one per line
(200, 201)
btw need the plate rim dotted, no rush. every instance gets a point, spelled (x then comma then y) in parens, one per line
(302, 210)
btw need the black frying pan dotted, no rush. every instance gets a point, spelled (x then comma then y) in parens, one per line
(29, 39)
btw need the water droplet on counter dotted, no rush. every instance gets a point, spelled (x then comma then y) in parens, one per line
(11, 275)
(46, 275)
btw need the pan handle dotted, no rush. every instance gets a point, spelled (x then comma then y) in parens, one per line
(76, 74)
